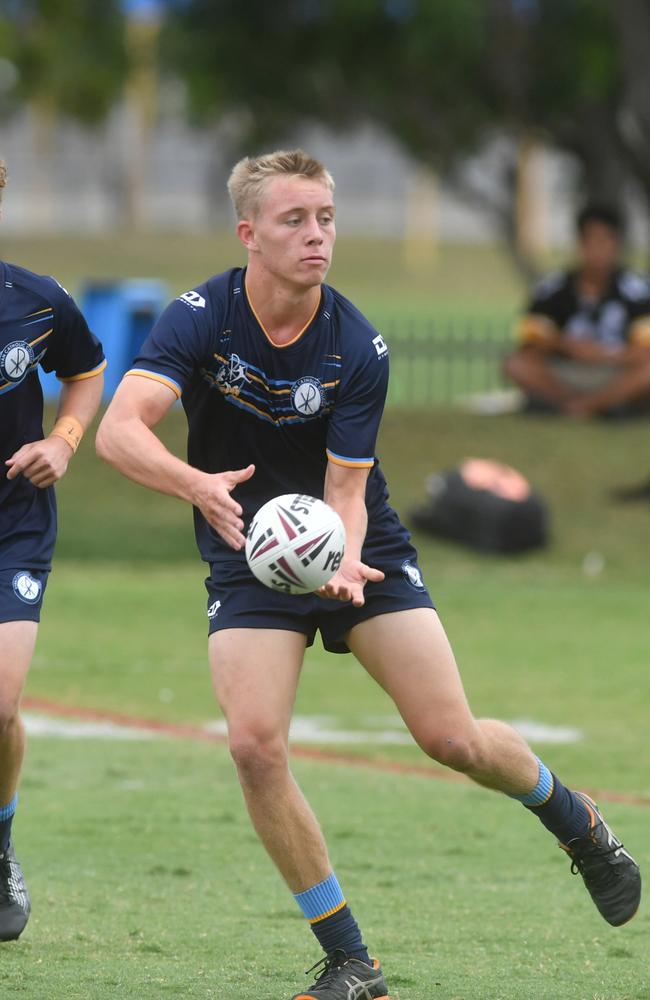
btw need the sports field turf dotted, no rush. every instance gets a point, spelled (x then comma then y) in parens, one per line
(146, 879)
(148, 883)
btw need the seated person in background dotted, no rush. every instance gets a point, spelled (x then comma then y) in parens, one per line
(585, 338)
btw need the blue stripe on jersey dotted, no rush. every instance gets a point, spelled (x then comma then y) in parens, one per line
(243, 404)
(346, 458)
(258, 371)
(48, 317)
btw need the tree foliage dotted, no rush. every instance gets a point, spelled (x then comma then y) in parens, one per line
(440, 77)
(406, 64)
(69, 56)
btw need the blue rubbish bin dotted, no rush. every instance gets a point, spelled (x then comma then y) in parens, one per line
(121, 314)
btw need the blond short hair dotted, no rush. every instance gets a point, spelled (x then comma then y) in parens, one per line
(3, 177)
(249, 177)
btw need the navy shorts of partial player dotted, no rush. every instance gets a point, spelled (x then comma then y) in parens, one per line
(39, 325)
(288, 410)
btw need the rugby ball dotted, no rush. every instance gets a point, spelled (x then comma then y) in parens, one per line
(295, 543)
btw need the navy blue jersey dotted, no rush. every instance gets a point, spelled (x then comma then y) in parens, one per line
(39, 324)
(620, 316)
(286, 409)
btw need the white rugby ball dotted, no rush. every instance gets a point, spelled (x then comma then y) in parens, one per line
(295, 543)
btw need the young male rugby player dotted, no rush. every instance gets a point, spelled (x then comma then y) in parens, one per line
(39, 324)
(283, 382)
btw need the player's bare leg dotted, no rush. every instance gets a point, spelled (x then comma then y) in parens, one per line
(631, 386)
(531, 370)
(255, 674)
(17, 641)
(409, 655)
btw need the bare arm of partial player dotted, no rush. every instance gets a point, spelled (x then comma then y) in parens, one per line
(44, 462)
(345, 491)
(126, 440)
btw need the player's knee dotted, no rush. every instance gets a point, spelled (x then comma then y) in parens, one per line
(257, 754)
(8, 716)
(458, 751)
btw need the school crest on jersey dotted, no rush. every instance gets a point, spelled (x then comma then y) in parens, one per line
(15, 360)
(231, 375)
(307, 396)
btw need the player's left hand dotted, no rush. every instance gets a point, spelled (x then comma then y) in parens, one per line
(349, 580)
(42, 462)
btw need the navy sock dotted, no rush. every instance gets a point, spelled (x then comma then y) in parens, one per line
(6, 819)
(340, 930)
(557, 807)
(331, 919)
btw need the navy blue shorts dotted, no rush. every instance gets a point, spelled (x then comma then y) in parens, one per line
(21, 594)
(236, 599)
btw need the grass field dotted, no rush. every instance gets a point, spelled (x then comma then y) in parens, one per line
(146, 879)
(148, 883)
(375, 273)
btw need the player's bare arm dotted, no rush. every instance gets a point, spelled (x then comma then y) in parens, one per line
(126, 440)
(345, 491)
(44, 462)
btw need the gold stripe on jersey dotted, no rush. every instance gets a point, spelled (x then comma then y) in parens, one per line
(42, 337)
(253, 377)
(349, 463)
(39, 312)
(293, 340)
(82, 375)
(156, 378)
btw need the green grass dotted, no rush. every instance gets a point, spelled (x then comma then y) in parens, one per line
(147, 882)
(459, 281)
(131, 641)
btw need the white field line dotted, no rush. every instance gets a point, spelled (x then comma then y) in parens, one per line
(69, 729)
(305, 729)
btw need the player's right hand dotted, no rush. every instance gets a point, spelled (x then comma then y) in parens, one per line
(220, 509)
(349, 580)
(41, 462)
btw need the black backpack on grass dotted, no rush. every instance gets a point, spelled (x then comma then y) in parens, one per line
(481, 518)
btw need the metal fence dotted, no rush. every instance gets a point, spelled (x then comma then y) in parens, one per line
(438, 362)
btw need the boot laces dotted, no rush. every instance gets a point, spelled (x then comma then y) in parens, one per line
(329, 966)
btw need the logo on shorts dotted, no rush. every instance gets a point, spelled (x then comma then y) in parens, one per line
(27, 587)
(307, 396)
(213, 609)
(412, 574)
(16, 360)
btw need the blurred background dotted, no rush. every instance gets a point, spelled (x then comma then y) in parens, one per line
(462, 136)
